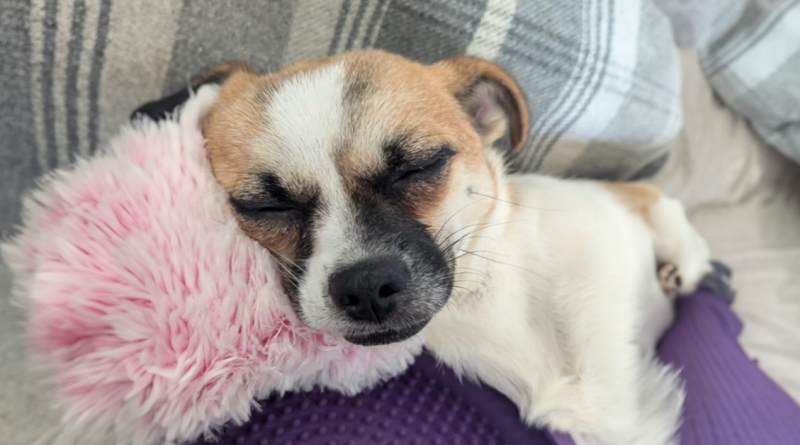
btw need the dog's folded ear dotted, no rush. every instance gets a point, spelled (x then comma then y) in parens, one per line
(490, 97)
(161, 108)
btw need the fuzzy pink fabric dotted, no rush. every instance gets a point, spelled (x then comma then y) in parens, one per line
(158, 319)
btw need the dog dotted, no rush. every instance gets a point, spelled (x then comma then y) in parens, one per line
(376, 183)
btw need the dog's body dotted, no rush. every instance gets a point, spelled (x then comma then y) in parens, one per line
(561, 308)
(375, 182)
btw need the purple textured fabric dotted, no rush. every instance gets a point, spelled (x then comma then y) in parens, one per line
(729, 400)
(427, 405)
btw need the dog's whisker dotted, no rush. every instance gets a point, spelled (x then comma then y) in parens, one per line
(468, 272)
(465, 252)
(290, 262)
(471, 268)
(470, 275)
(288, 266)
(284, 258)
(516, 203)
(501, 262)
(481, 282)
(483, 226)
(438, 232)
(483, 251)
(455, 232)
(474, 294)
(488, 238)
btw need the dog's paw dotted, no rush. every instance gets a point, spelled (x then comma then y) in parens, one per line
(719, 282)
(670, 279)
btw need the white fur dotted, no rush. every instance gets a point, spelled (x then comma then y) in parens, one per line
(306, 119)
(305, 116)
(557, 322)
(307, 126)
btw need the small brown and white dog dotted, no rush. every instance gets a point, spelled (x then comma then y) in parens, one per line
(374, 180)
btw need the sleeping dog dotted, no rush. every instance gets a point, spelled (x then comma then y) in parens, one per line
(375, 182)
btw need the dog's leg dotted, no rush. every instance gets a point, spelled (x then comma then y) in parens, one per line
(677, 244)
(674, 240)
(682, 259)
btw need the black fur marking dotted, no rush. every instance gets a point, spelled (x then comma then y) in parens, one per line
(161, 109)
(356, 90)
(270, 194)
(394, 153)
(269, 201)
(386, 225)
(305, 247)
(424, 164)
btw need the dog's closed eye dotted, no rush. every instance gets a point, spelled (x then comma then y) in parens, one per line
(269, 200)
(264, 207)
(425, 169)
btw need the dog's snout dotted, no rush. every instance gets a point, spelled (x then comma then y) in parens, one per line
(369, 290)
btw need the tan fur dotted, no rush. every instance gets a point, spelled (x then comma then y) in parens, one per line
(636, 197)
(460, 73)
(406, 99)
(411, 100)
(236, 120)
(281, 240)
(231, 127)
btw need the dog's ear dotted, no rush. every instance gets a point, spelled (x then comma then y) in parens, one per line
(490, 97)
(160, 109)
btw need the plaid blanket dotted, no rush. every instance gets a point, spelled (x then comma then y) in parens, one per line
(602, 76)
(756, 71)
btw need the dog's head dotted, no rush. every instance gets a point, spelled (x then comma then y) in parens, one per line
(361, 173)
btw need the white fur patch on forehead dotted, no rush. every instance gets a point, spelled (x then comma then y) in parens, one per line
(305, 121)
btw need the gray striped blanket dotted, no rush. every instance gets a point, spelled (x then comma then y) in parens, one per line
(602, 76)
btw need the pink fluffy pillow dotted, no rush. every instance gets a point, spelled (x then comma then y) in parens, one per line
(158, 318)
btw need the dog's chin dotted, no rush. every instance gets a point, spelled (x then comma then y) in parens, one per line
(385, 337)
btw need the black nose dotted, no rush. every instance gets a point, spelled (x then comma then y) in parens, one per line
(369, 290)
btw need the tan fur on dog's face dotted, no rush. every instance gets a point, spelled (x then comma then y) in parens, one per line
(332, 162)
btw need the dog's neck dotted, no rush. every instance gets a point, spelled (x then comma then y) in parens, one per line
(490, 248)
(492, 275)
